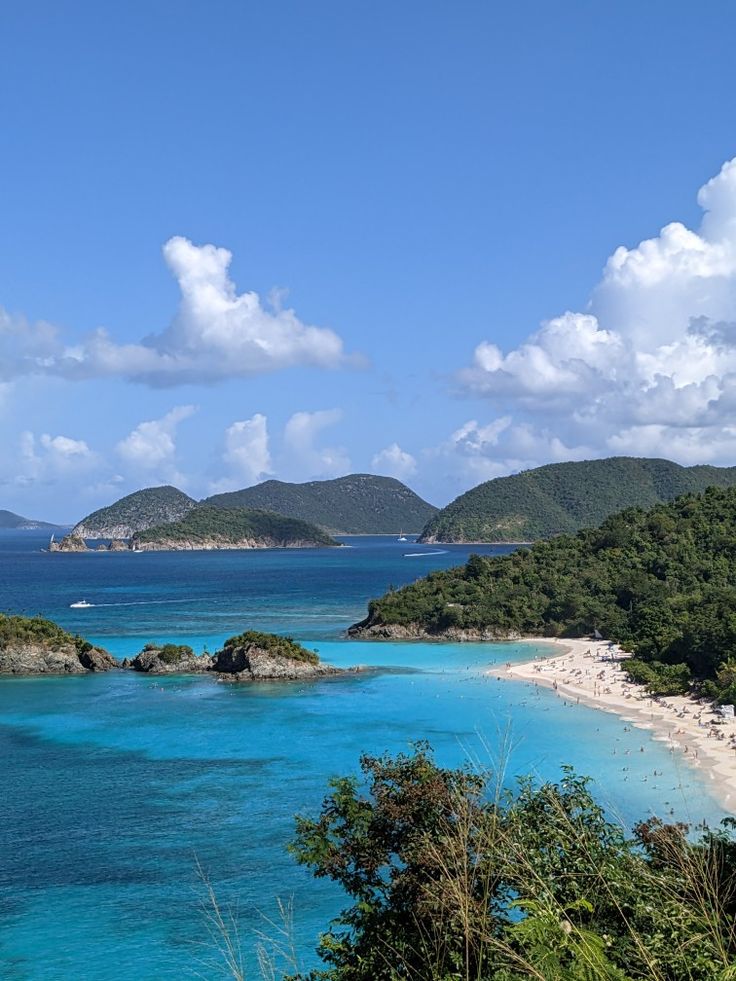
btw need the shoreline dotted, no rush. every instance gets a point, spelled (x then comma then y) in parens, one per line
(589, 672)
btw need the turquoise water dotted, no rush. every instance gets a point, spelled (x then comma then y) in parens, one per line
(115, 787)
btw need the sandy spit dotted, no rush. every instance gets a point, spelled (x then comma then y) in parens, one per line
(590, 672)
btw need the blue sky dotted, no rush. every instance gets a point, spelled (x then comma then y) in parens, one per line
(243, 240)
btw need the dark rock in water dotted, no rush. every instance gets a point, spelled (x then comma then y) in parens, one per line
(254, 656)
(169, 659)
(32, 645)
(33, 659)
(70, 543)
(97, 659)
(117, 545)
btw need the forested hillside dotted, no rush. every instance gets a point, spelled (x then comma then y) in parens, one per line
(565, 497)
(136, 512)
(662, 582)
(210, 528)
(359, 504)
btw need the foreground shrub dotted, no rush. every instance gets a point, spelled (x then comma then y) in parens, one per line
(451, 878)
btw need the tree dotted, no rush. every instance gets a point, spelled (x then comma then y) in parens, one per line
(449, 879)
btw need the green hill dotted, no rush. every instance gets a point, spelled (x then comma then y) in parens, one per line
(564, 497)
(136, 512)
(206, 527)
(661, 582)
(10, 520)
(353, 505)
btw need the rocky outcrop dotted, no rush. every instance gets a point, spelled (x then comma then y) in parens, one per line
(33, 659)
(375, 630)
(169, 659)
(116, 545)
(218, 544)
(70, 543)
(252, 656)
(255, 664)
(255, 656)
(97, 659)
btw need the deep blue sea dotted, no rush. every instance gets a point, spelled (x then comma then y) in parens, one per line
(116, 788)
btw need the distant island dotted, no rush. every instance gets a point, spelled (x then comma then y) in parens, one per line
(565, 497)
(10, 520)
(218, 528)
(208, 528)
(136, 512)
(360, 504)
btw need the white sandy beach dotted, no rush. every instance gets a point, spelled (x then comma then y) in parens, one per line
(589, 672)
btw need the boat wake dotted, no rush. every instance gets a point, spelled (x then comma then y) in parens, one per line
(139, 603)
(420, 555)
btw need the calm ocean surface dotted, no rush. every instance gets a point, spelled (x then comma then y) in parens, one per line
(114, 787)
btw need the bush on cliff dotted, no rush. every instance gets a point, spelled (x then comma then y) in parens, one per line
(36, 631)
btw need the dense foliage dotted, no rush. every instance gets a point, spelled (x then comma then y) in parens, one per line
(660, 582)
(353, 505)
(136, 512)
(203, 524)
(452, 878)
(565, 497)
(16, 631)
(171, 653)
(273, 644)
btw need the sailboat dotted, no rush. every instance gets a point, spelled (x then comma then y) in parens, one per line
(402, 537)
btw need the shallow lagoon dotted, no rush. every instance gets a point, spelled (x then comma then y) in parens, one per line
(117, 785)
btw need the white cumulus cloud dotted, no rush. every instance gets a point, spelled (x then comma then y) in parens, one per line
(303, 455)
(216, 333)
(151, 446)
(650, 366)
(474, 452)
(247, 449)
(394, 462)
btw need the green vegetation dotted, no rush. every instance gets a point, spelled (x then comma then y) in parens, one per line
(17, 631)
(565, 497)
(353, 505)
(272, 644)
(661, 582)
(136, 512)
(171, 653)
(451, 877)
(10, 520)
(203, 525)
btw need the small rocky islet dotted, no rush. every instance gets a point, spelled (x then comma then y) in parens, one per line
(34, 646)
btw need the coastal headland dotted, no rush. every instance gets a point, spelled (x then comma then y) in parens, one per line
(590, 672)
